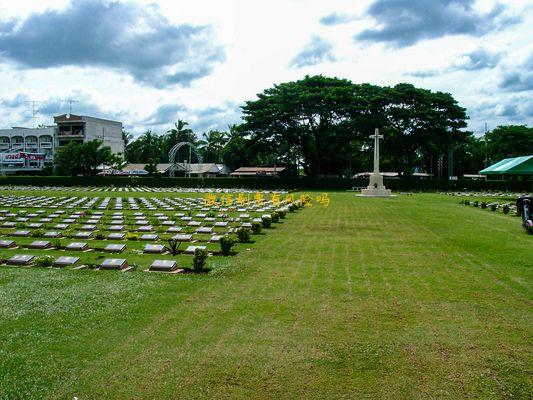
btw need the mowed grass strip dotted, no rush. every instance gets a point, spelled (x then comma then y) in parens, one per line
(411, 297)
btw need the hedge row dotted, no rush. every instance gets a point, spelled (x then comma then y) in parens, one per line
(268, 183)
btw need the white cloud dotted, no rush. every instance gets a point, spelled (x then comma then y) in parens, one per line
(260, 39)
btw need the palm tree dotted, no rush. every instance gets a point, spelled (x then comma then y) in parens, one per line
(212, 144)
(180, 134)
(149, 145)
(126, 137)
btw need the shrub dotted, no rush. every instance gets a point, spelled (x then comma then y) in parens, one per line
(275, 216)
(44, 261)
(173, 246)
(267, 222)
(506, 209)
(476, 203)
(483, 205)
(467, 202)
(57, 243)
(493, 207)
(292, 207)
(200, 259)
(256, 228)
(37, 233)
(99, 236)
(131, 236)
(282, 214)
(243, 234)
(210, 214)
(226, 243)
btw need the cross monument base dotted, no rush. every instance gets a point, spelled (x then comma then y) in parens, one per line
(379, 192)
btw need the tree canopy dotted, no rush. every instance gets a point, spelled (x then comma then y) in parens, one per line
(321, 125)
(322, 122)
(151, 145)
(509, 141)
(84, 158)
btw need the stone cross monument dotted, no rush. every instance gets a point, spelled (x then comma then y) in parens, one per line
(376, 187)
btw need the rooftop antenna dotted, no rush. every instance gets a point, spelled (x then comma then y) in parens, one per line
(70, 102)
(33, 110)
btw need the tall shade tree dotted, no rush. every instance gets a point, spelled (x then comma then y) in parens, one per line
(83, 158)
(312, 117)
(324, 123)
(235, 152)
(509, 141)
(421, 127)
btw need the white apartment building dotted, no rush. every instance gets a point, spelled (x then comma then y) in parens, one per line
(26, 149)
(31, 149)
(81, 128)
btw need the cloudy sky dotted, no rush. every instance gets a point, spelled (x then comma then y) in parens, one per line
(149, 63)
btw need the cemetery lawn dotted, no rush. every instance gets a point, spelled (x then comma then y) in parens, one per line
(413, 297)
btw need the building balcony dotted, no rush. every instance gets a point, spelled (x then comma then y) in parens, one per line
(46, 145)
(67, 134)
(4, 145)
(31, 144)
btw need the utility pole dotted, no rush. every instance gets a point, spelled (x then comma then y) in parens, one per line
(190, 155)
(486, 148)
(103, 141)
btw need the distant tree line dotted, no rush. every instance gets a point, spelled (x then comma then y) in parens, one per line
(321, 126)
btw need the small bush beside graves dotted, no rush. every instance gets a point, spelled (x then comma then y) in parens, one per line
(174, 246)
(226, 244)
(476, 203)
(243, 234)
(44, 261)
(483, 205)
(200, 259)
(131, 236)
(506, 209)
(37, 233)
(275, 217)
(256, 228)
(493, 207)
(267, 222)
(281, 214)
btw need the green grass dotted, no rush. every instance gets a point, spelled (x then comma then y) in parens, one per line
(413, 297)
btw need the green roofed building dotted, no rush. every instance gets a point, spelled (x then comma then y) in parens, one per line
(511, 166)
